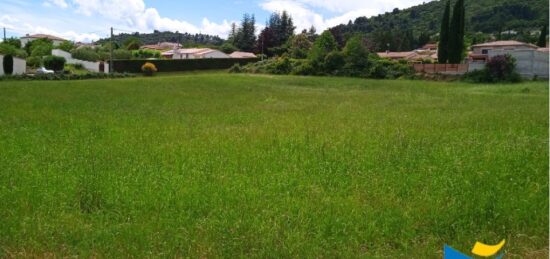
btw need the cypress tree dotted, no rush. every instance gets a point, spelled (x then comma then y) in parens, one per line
(542, 38)
(443, 48)
(456, 34)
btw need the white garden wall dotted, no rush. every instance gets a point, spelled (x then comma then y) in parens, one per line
(19, 66)
(91, 66)
(529, 62)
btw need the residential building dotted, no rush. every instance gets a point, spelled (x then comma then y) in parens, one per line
(194, 53)
(530, 60)
(28, 38)
(162, 46)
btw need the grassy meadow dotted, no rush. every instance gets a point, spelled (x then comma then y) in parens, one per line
(213, 165)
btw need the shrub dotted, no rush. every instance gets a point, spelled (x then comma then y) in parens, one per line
(236, 69)
(67, 46)
(148, 69)
(145, 54)
(34, 62)
(500, 68)
(282, 66)
(303, 67)
(122, 54)
(334, 62)
(86, 54)
(54, 63)
(78, 66)
(8, 64)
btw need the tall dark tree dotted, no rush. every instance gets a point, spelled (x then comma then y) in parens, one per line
(443, 48)
(456, 33)
(246, 34)
(542, 38)
(266, 41)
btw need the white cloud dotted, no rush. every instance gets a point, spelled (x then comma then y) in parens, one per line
(135, 15)
(21, 27)
(307, 12)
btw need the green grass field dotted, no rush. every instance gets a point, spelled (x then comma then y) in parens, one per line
(217, 165)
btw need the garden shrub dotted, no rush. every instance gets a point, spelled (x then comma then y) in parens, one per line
(8, 64)
(500, 68)
(86, 54)
(34, 62)
(149, 69)
(236, 69)
(145, 54)
(334, 62)
(122, 54)
(282, 66)
(54, 63)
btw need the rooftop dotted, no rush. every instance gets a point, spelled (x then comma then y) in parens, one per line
(43, 36)
(504, 43)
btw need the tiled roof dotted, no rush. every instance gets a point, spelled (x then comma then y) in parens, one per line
(238, 54)
(504, 43)
(44, 36)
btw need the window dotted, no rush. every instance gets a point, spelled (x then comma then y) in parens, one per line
(485, 51)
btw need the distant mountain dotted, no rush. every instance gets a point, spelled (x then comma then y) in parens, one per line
(492, 17)
(188, 40)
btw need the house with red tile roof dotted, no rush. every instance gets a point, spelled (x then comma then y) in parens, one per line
(28, 38)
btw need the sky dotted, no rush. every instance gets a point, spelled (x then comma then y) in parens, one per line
(89, 20)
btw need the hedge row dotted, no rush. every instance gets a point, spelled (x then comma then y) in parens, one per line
(176, 65)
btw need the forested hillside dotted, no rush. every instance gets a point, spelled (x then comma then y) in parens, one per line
(506, 19)
(186, 39)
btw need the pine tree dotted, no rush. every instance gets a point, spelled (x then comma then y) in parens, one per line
(443, 49)
(542, 38)
(245, 39)
(456, 34)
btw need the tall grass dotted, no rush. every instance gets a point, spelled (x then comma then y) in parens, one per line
(216, 165)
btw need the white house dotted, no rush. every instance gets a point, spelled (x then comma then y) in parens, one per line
(28, 38)
(194, 54)
(530, 60)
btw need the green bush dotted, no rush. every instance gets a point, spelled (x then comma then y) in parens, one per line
(334, 62)
(34, 62)
(67, 46)
(41, 51)
(500, 68)
(122, 54)
(175, 65)
(8, 64)
(282, 66)
(236, 69)
(145, 54)
(86, 54)
(54, 63)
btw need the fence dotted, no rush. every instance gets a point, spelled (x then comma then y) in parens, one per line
(450, 69)
(19, 66)
(91, 66)
(176, 65)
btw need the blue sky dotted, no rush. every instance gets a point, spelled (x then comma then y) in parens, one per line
(88, 20)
